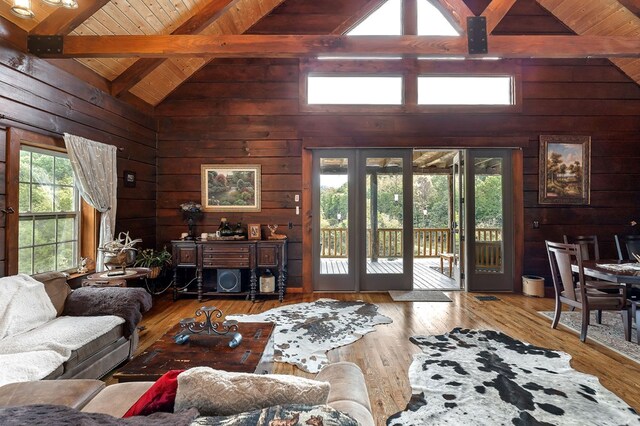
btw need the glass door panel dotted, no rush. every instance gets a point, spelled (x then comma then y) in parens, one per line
(457, 218)
(384, 215)
(334, 216)
(489, 220)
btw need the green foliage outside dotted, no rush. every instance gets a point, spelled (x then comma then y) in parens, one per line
(47, 237)
(430, 193)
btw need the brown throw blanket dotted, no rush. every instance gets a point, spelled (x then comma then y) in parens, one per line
(126, 303)
(59, 415)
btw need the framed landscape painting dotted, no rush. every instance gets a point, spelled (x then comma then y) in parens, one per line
(230, 187)
(565, 169)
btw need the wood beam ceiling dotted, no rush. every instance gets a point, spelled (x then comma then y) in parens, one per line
(287, 46)
(197, 23)
(62, 21)
(495, 11)
(456, 9)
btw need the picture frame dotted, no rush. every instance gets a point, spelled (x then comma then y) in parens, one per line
(254, 231)
(564, 170)
(231, 187)
(129, 178)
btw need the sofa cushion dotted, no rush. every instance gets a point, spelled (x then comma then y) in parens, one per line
(72, 393)
(217, 392)
(282, 415)
(90, 348)
(55, 284)
(24, 305)
(116, 399)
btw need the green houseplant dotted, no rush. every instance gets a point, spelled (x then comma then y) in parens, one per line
(155, 260)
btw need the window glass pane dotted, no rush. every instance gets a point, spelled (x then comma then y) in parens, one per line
(25, 166)
(64, 199)
(64, 174)
(488, 215)
(334, 216)
(354, 90)
(432, 22)
(24, 261)
(42, 168)
(65, 256)
(66, 229)
(386, 20)
(44, 258)
(45, 231)
(25, 197)
(48, 234)
(41, 198)
(465, 90)
(25, 233)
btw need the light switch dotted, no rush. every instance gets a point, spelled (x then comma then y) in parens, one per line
(296, 198)
(297, 210)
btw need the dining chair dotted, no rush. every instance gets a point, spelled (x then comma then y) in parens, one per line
(588, 245)
(627, 245)
(581, 294)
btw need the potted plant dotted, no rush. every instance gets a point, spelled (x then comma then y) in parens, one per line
(155, 260)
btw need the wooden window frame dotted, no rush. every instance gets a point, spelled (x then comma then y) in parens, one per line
(410, 69)
(89, 220)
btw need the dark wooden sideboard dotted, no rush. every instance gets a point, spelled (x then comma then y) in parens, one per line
(211, 255)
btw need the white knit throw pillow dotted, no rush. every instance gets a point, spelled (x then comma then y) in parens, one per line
(221, 393)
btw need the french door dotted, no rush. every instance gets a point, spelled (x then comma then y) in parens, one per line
(489, 220)
(362, 220)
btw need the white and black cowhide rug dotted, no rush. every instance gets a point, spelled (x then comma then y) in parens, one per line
(306, 331)
(484, 377)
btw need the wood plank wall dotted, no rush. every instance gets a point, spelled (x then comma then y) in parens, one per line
(49, 101)
(247, 111)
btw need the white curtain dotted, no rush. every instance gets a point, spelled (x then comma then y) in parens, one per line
(96, 177)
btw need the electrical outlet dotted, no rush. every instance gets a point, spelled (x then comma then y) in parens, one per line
(536, 224)
(290, 225)
(296, 198)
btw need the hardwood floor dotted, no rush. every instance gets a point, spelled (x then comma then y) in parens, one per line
(385, 354)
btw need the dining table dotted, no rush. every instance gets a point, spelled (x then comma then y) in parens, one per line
(617, 271)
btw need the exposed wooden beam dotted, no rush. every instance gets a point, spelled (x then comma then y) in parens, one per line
(62, 21)
(357, 17)
(632, 5)
(294, 46)
(495, 11)
(198, 22)
(456, 9)
(13, 34)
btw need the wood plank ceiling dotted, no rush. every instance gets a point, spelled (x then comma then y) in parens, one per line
(152, 79)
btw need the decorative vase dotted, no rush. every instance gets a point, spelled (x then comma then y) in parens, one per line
(155, 272)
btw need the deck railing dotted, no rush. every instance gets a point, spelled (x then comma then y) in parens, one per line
(427, 242)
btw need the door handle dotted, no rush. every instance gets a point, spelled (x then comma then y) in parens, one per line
(8, 210)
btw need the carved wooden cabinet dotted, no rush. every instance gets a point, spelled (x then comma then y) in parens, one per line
(253, 256)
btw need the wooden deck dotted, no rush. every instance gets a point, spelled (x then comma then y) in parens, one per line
(424, 276)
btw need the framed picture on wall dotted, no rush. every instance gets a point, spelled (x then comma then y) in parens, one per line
(565, 169)
(254, 231)
(231, 187)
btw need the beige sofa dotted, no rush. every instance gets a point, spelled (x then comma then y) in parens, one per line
(99, 356)
(348, 393)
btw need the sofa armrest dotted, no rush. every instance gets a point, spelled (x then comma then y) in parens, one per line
(348, 391)
(127, 303)
(72, 393)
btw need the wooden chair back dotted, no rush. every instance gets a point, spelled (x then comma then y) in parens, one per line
(627, 245)
(561, 256)
(588, 245)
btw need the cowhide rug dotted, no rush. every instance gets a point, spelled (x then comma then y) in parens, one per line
(485, 377)
(306, 331)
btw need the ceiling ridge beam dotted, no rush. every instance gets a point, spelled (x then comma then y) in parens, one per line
(296, 46)
(63, 21)
(143, 67)
(495, 12)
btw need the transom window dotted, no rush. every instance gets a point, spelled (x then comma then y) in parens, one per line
(354, 90)
(49, 213)
(465, 90)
